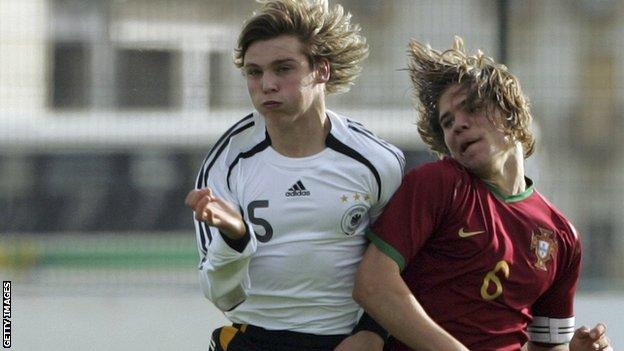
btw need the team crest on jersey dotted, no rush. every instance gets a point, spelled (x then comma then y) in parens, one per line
(352, 219)
(544, 245)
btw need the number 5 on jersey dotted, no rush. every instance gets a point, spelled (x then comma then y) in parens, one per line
(268, 229)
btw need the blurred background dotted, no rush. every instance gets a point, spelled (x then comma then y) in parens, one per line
(107, 108)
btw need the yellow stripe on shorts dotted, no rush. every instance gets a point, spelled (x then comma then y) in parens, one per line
(226, 336)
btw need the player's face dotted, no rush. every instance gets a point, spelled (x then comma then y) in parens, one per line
(280, 80)
(471, 137)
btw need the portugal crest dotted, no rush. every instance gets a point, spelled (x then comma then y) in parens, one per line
(544, 245)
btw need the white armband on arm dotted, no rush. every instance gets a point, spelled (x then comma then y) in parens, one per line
(551, 330)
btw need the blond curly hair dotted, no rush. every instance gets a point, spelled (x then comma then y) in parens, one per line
(325, 33)
(488, 84)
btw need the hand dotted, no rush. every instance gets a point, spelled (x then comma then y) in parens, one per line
(361, 341)
(216, 212)
(585, 339)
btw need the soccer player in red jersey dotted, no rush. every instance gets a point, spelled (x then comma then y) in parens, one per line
(468, 252)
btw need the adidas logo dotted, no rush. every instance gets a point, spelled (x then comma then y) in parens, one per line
(298, 189)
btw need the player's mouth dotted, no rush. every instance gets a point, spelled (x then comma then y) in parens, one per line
(271, 104)
(465, 145)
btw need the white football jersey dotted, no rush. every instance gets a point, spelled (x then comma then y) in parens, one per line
(306, 218)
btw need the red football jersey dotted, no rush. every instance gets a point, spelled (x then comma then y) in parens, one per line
(491, 270)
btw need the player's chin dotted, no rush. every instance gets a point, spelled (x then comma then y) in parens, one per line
(468, 163)
(476, 164)
(278, 115)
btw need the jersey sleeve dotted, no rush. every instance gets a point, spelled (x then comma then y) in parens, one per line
(416, 210)
(553, 312)
(223, 269)
(391, 173)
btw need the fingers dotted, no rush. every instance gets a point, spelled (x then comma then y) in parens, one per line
(598, 331)
(597, 335)
(191, 198)
(582, 332)
(195, 195)
(603, 344)
(203, 210)
(199, 200)
(216, 212)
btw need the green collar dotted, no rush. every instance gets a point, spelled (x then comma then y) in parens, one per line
(513, 198)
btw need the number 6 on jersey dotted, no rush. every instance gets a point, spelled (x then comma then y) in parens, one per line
(492, 277)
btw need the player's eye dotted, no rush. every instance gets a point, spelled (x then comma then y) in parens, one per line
(472, 109)
(253, 72)
(446, 122)
(283, 68)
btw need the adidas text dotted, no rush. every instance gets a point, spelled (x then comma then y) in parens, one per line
(298, 193)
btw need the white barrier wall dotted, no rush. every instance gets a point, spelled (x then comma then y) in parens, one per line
(181, 322)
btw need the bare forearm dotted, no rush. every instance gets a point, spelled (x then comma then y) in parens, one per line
(406, 320)
(380, 289)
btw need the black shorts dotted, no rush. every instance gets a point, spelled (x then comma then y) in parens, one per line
(244, 337)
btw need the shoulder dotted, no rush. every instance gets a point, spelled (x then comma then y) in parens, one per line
(444, 182)
(567, 230)
(446, 170)
(350, 136)
(240, 137)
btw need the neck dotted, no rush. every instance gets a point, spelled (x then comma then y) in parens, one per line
(301, 136)
(508, 176)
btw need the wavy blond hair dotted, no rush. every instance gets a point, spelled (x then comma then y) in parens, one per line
(488, 84)
(325, 33)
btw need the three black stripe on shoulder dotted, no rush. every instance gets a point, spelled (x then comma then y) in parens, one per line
(219, 146)
(342, 148)
(359, 128)
(247, 154)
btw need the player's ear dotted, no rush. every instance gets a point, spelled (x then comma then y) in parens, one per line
(322, 70)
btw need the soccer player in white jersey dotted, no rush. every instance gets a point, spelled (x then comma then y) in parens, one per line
(284, 197)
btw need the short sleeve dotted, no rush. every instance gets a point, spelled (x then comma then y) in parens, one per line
(415, 211)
